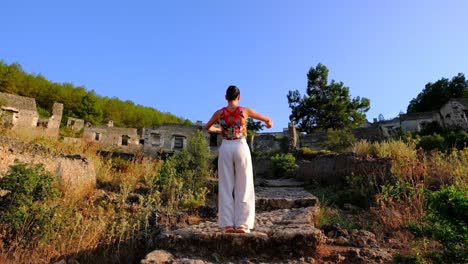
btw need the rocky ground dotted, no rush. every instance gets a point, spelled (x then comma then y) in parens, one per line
(286, 231)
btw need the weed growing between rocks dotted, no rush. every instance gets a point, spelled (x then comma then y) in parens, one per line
(427, 188)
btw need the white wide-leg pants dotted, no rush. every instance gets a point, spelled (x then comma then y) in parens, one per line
(236, 202)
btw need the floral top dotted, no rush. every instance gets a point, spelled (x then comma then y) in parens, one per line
(233, 124)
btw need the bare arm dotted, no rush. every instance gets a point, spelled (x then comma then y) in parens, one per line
(253, 114)
(209, 126)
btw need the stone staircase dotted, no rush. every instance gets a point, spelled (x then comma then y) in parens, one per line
(286, 231)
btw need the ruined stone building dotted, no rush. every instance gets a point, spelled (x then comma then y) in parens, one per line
(51, 125)
(75, 124)
(453, 114)
(19, 112)
(114, 138)
(170, 138)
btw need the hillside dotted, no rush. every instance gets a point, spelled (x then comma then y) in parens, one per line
(79, 102)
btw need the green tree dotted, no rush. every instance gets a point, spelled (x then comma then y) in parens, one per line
(435, 95)
(252, 129)
(326, 105)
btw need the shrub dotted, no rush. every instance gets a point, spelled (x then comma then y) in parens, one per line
(448, 168)
(330, 215)
(457, 140)
(363, 149)
(446, 220)
(27, 210)
(184, 176)
(339, 140)
(283, 164)
(431, 142)
(395, 149)
(398, 190)
(306, 152)
(360, 190)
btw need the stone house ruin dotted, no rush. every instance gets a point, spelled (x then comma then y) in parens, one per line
(453, 114)
(111, 138)
(415, 122)
(169, 138)
(390, 128)
(75, 124)
(19, 112)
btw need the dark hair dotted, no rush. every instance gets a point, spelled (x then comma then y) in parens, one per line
(232, 92)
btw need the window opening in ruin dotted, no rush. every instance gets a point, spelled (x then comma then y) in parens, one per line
(424, 125)
(155, 139)
(125, 139)
(8, 117)
(97, 136)
(178, 142)
(72, 123)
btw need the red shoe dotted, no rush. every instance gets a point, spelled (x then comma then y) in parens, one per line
(242, 229)
(229, 229)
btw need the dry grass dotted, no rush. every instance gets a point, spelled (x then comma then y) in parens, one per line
(393, 149)
(105, 219)
(362, 149)
(448, 168)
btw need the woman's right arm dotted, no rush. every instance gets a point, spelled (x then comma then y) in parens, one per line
(253, 114)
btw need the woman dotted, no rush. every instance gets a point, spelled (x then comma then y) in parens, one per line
(236, 202)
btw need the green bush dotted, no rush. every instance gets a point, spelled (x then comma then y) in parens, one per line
(27, 210)
(183, 179)
(283, 164)
(457, 140)
(330, 215)
(431, 142)
(446, 220)
(306, 152)
(397, 190)
(360, 190)
(339, 140)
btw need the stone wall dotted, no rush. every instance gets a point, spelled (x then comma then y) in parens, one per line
(266, 142)
(312, 141)
(114, 138)
(371, 133)
(328, 169)
(76, 175)
(333, 169)
(53, 124)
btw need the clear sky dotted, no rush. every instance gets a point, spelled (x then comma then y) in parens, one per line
(180, 56)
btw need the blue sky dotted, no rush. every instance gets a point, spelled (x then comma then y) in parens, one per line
(180, 56)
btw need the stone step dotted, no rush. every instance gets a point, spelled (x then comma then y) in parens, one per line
(272, 198)
(287, 182)
(280, 233)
